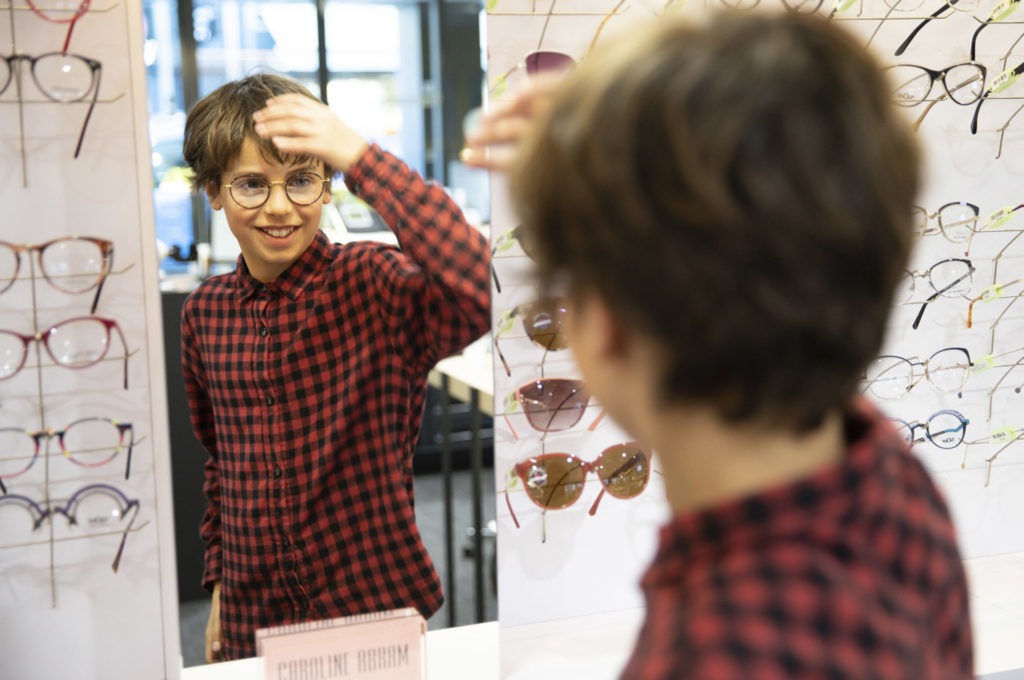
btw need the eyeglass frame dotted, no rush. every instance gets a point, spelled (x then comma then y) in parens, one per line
(916, 378)
(515, 475)
(912, 427)
(505, 323)
(96, 70)
(515, 398)
(59, 433)
(41, 513)
(270, 185)
(937, 292)
(42, 336)
(937, 14)
(106, 251)
(83, 7)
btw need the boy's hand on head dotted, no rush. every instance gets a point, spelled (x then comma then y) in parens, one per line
(495, 141)
(300, 125)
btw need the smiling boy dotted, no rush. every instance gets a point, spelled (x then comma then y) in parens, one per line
(306, 367)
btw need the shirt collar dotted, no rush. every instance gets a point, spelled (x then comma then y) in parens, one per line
(293, 280)
(797, 509)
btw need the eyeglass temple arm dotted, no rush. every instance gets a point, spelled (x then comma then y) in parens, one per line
(108, 256)
(124, 536)
(512, 429)
(127, 427)
(934, 296)
(98, 69)
(511, 512)
(977, 109)
(924, 22)
(974, 38)
(597, 421)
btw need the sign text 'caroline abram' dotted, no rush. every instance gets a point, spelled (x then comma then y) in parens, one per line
(381, 646)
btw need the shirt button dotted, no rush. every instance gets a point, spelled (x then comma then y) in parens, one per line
(270, 401)
(264, 331)
(277, 471)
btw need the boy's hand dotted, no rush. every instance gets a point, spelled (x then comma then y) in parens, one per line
(300, 125)
(213, 649)
(495, 141)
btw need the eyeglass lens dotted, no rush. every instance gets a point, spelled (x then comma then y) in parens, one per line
(553, 404)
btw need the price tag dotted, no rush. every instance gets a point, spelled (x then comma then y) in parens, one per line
(983, 364)
(998, 218)
(1003, 81)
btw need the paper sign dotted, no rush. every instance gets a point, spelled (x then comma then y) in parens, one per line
(381, 646)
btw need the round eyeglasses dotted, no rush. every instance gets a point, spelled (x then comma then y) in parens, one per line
(302, 188)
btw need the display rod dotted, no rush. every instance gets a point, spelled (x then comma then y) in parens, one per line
(87, 582)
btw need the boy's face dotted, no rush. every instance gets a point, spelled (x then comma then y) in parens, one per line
(276, 233)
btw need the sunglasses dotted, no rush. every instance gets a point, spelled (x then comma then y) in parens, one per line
(542, 320)
(555, 481)
(551, 404)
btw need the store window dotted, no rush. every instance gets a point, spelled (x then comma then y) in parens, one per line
(373, 77)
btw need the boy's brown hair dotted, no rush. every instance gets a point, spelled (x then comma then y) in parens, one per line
(219, 124)
(738, 191)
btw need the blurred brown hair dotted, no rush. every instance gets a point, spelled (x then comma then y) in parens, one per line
(740, 191)
(219, 123)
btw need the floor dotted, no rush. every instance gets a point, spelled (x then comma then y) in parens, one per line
(430, 518)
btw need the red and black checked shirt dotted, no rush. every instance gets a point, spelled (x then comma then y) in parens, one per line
(851, 573)
(308, 394)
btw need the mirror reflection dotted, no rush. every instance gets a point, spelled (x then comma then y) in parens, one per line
(404, 74)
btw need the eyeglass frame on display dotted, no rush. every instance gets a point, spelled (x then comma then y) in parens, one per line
(49, 433)
(516, 474)
(96, 71)
(42, 513)
(43, 337)
(914, 378)
(516, 398)
(505, 324)
(912, 427)
(105, 246)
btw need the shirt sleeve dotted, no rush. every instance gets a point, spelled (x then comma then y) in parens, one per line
(201, 414)
(437, 287)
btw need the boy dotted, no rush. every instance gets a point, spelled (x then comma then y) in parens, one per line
(306, 367)
(728, 206)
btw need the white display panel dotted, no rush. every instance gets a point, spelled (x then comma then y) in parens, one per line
(70, 516)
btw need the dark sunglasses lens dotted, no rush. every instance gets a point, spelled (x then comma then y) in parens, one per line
(542, 320)
(554, 480)
(624, 470)
(543, 62)
(554, 404)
